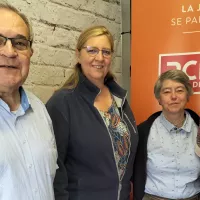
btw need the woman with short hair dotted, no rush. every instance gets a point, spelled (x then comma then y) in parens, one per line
(166, 166)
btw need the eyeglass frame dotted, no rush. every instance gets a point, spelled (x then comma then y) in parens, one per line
(11, 40)
(104, 49)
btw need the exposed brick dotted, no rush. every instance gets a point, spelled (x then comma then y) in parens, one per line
(42, 92)
(119, 78)
(46, 55)
(56, 25)
(107, 10)
(54, 36)
(46, 75)
(70, 3)
(117, 47)
(116, 65)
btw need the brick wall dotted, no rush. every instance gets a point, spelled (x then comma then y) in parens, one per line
(56, 26)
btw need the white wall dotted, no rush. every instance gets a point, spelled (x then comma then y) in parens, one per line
(57, 25)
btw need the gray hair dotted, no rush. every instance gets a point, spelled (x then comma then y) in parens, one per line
(7, 6)
(175, 75)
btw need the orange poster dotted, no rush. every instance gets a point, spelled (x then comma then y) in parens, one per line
(164, 35)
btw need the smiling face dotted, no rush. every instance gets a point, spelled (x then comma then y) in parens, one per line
(14, 64)
(173, 97)
(95, 68)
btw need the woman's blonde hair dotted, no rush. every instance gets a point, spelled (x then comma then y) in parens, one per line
(93, 31)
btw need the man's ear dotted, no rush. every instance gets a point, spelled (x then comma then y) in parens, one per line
(31, 51)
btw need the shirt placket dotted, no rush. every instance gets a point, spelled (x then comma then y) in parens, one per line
(177, 154)
(28, 158)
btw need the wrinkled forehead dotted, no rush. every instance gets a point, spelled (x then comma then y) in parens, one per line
(11, 24)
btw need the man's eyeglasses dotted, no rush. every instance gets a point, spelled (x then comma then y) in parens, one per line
(93, 51)
(20, 44)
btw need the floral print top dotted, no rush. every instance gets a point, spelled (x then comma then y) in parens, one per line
(119, 135)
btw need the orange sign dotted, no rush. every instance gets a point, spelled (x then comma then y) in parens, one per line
(164, 35)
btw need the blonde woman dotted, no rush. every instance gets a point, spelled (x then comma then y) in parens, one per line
(94, 127)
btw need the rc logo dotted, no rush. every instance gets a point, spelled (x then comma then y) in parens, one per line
(187, 62)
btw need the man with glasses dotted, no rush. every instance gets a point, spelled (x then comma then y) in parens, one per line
(27, 146)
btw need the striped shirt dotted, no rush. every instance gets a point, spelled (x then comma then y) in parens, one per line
(27, 151)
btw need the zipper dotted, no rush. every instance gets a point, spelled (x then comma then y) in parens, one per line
(120, 187)
(119, 190)
(123, 100)
(130, 123)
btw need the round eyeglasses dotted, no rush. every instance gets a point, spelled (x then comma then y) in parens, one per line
(93, 51)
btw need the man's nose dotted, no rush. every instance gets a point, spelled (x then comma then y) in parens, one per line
(8, 50)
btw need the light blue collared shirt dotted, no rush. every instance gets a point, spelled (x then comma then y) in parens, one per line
(27, 151)
(173, 168)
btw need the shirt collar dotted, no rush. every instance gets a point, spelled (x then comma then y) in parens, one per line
(24, 101)
(187, 126)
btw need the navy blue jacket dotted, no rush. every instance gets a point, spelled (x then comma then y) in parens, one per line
(87, 168)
